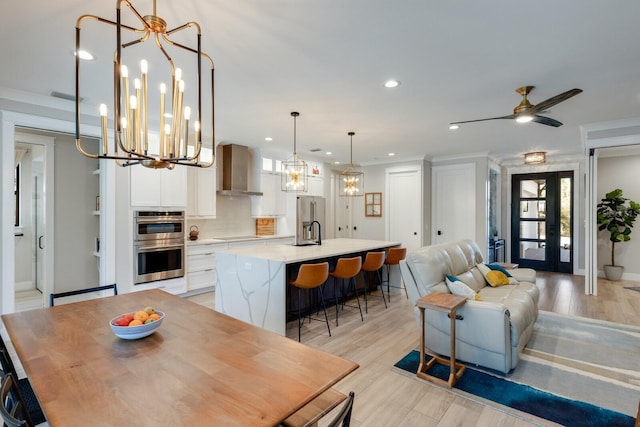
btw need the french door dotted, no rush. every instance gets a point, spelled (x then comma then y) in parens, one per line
(542, 221)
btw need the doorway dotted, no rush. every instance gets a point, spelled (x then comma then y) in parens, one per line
(542, 221)
(34, 206)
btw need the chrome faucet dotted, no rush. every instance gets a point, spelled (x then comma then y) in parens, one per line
(319, 230)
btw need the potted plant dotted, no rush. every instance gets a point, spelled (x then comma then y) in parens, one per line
(617, 217)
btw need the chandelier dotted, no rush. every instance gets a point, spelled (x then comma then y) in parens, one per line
(351, 181)
(294, 170)
(177, 139)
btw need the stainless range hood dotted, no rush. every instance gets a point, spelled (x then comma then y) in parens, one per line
(235, 171)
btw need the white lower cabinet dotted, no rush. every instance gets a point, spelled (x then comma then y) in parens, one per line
(201, 265)
(173, 286)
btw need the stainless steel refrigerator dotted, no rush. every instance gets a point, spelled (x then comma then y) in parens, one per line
(308, 210)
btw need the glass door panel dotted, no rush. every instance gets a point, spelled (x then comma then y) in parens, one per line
(541, 221)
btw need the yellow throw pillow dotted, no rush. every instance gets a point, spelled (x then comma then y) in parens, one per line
(497, 278)
(486, 268)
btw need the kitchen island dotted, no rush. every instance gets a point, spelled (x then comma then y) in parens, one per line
(252, 282)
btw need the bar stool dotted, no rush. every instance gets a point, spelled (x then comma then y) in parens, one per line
(347, 269)
(373, 262)
(312, 276)
(394, 257)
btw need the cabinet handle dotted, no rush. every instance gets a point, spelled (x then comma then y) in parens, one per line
(209, 269)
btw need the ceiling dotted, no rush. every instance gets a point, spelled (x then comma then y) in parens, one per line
(456, 60)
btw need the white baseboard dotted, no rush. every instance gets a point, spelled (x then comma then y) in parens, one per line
(634, 277)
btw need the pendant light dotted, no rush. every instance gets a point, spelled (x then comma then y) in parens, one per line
(351, 180)
(294, 170)
(138, 138)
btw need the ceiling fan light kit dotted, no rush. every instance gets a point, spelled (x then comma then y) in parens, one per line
(527, 112)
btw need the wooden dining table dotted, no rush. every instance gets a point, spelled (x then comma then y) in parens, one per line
(200, 368)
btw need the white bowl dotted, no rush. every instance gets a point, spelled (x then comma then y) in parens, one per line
(136, 332)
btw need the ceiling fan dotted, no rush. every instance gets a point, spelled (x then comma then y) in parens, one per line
(527, 112)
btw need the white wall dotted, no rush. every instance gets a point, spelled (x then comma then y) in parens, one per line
(371, 227)
(620, 172)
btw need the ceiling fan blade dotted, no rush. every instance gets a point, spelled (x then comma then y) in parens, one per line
(510, 116)
(547, 121)
(554, 100)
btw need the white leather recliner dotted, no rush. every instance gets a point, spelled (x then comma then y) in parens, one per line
(492, 332)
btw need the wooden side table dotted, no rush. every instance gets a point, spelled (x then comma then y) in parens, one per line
(447, 303)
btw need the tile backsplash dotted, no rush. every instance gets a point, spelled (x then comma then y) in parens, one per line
(233, 218)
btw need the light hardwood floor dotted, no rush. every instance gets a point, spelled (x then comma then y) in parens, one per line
(385, 397)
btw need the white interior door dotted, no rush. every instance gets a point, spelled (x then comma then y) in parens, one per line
(454, 203)
(404, 204)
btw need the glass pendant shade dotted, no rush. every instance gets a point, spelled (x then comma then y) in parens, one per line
(295, 177)
(351, 180)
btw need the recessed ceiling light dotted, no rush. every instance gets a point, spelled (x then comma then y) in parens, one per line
(83, 54)
(268, 138)
(392, 83)
(328, 153)
(454, 127)
(392, 154)
(336, 162)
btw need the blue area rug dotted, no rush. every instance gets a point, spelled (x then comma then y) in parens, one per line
(523, 397)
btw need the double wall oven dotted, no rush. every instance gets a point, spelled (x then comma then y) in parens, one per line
(158, 245)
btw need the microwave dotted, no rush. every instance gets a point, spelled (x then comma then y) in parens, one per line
(158, 225)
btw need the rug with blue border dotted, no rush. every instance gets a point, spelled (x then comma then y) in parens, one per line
(522, 397)
(573, 371)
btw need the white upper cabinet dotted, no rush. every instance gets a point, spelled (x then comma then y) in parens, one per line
(158, 187)
(201, 192)
(316, 186)
(273, 202)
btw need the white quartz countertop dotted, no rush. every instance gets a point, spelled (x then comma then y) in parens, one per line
(330, 248)
(208, 241)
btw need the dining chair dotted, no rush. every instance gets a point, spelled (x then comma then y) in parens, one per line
(373, 262)
(344, 416)
(27, 395)
(12, 410)
(53, 297)
(394, 257)
(311, 276)
(346, 269)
